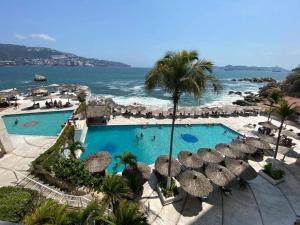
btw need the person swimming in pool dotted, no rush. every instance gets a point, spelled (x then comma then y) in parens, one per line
(142, 135)
(16, 122)
(153, 138)
(225, 132)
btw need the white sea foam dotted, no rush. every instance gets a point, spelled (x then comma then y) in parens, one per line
(25, 81)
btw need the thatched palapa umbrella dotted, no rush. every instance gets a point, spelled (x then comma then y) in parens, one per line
(239, 145)
(98, 162)
(241, 169)
(162, 164)
(141, 170)
(270, 139)
(210, 156)
(220, 175)
(258, 143)
(195, 183)
(190, 160)
(268, 125)
(227, 151)
(290, 134)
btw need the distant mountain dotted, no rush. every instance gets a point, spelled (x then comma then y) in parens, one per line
(15, 55)
(255, 68)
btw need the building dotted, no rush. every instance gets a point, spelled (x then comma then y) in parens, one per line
(98, 114)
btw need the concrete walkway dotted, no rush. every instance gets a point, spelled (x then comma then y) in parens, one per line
(26, 149)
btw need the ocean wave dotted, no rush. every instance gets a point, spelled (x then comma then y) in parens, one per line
(25, 81)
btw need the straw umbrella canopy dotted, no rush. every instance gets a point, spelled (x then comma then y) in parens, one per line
(258, 143)
(68, 97)
(239, 145)
(268, 125)
(227, 151)
(162, 164)
(270, 139)
(241, 169)
(210, 156)
(190, 160)
(220, 175)
(142, 170)
(290, 134)
(195, 183)
(98, 162)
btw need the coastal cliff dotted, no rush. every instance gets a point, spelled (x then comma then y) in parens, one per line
(17, 55)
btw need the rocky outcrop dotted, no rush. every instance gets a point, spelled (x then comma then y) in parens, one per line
(256, 79)
(243, 103)
(268, 88)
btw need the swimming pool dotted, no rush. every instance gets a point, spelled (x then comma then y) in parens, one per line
(155, 139)
(42, 124)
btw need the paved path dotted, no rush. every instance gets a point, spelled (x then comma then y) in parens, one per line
(27, 148)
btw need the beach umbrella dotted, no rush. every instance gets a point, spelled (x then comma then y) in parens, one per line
(98, 162)
(68, 97)
(290, 134)
(241, 146)
(220, 175)
(210, 156)
(162, 165)
(270, 139)
(195, 183)
(227, 151)
(269, 125)
(141, 170)
(258, 143)
(156, 112)
(290, 122)
(241, 169)
(190, 160)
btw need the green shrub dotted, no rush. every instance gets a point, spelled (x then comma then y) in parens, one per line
(274, 173)
(15, 202)
(81, 108)
(73, 171)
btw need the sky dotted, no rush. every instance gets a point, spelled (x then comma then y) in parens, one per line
(139, 32)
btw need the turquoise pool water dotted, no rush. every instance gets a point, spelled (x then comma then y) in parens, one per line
(42, 124)
(117, 139)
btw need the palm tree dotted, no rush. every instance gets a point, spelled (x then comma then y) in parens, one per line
(127, 158)
(73, 146)
(49, 212)
(283, 111)
(274, 98)
(127, 213)
(115, 189)
(178, 73)
(93, 212)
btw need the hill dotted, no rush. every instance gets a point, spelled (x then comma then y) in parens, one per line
(15, 55)
(253, 68)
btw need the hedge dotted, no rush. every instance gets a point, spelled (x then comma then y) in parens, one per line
(15, 202)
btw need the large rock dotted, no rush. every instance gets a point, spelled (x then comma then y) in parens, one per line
(243, 103)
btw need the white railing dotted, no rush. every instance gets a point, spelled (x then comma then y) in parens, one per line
(71, 200)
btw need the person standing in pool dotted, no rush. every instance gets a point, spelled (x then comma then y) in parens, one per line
(153, 139)
(142, 135)
(16, 122)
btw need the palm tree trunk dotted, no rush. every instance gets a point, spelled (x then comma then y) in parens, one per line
(278, 138)
(171, 143)
(270, 112)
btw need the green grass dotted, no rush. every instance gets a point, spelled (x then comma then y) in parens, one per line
(16, 202)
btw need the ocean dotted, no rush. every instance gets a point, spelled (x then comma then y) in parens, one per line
(125, 85)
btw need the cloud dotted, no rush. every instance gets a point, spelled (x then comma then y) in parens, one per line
(20, 36)
(43, 37)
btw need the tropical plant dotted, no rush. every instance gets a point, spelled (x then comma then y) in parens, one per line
(15, 202)
(127, 213)
(73, 171)
(93, 212)
(115, 189)
(81, 96)
(49, 212)
(283, 111)
(178, 73)
(127, 158)
(73, 145)
(274, 98)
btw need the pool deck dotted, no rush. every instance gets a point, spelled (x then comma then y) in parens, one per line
(259, 203)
